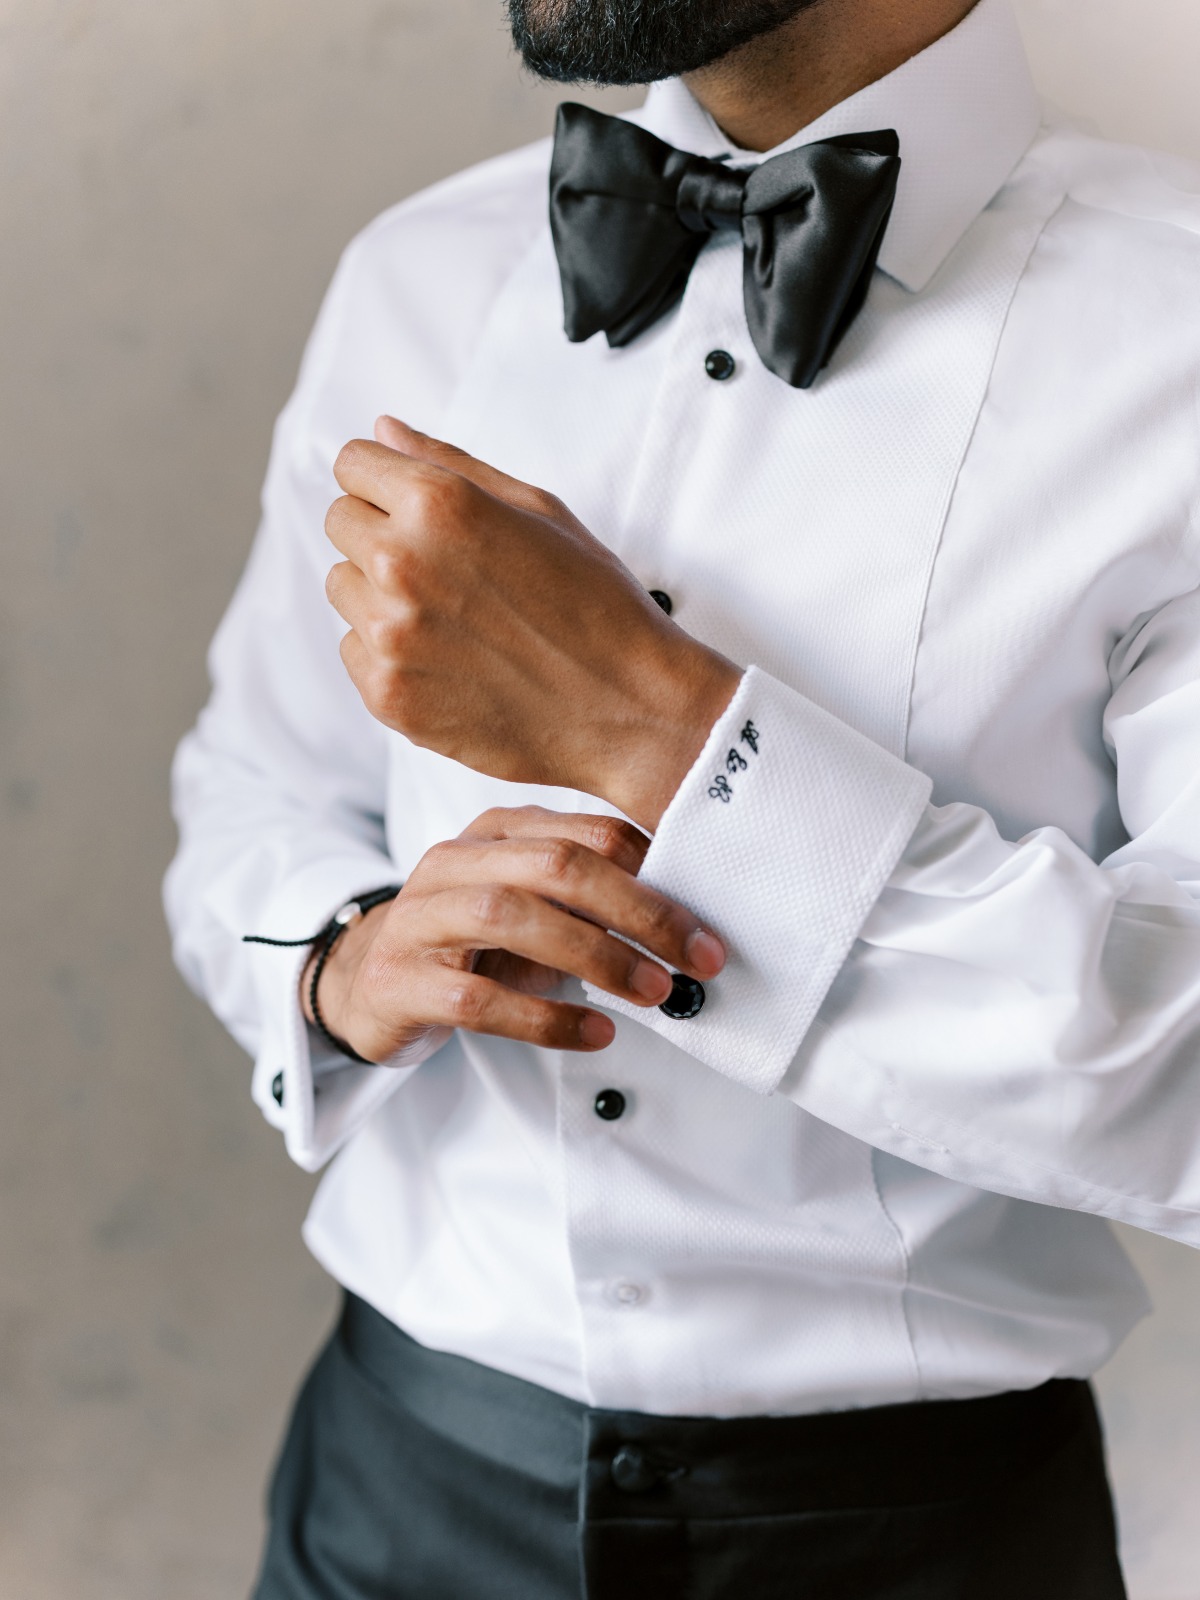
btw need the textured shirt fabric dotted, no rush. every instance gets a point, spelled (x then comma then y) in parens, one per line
(949, 827)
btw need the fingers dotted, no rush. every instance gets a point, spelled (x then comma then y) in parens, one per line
(567, 873)
(398, 436)
(403, 473)
(357, 528)
(349, 593)
(503, 916)
(480, 1005)
(611, 837)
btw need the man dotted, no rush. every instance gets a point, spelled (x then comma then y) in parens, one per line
(727, 1217)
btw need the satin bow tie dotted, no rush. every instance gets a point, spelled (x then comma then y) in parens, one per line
(630, 214)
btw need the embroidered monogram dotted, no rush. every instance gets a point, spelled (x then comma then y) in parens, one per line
(735, 763)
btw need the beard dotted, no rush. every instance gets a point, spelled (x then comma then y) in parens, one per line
(637, 41)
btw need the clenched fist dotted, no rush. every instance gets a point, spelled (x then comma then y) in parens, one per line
(487, 623)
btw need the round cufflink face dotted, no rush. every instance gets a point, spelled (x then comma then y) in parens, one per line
(686, 998)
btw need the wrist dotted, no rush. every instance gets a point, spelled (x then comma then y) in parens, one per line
(688, 699)
(339, 969)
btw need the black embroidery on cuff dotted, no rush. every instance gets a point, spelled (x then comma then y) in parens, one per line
(735, 762)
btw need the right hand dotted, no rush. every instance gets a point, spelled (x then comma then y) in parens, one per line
(489, 923)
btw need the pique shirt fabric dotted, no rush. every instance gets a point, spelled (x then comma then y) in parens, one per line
(955, 863)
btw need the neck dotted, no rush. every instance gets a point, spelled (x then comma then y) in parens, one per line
(762, 93)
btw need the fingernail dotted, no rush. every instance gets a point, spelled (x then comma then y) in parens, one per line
(705, 952)
(650, 981)
(596, 1031)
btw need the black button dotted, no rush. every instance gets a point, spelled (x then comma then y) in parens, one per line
(277, 1089)
(686, 998)
(719, 364)
(610, 1104)
(631, 1472)
(663, 599)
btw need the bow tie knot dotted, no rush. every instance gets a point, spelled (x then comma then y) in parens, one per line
(630, 214)
(710, 197)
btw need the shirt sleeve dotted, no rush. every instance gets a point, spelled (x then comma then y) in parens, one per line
(279, 796)
(1012, 1015)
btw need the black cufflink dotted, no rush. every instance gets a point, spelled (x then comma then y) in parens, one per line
(686, 998)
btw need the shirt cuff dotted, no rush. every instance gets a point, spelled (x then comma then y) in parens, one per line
(315, 1095)
(781, 839)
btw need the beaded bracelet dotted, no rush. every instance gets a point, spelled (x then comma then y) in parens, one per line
(323, 942)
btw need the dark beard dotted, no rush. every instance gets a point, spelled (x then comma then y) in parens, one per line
(637, 41)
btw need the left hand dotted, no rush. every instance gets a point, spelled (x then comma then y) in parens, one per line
(487, 623)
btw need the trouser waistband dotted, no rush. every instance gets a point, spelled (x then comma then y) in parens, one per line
(635, 1464)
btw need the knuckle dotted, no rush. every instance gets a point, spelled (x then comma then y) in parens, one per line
(610, 837)
(388, 569)
(495, 907)
(441, 853)
(550, 1029)
(548, 505)
(382, 972)
(388, 636)
(559, 860)
(486, 825)
(438, 498)
(659, 920)
(383, 698)
(529, 813)
(466, 1005)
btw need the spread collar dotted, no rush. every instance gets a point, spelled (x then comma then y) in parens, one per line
(965, 109)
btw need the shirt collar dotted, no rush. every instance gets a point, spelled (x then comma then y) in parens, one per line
(965, 109)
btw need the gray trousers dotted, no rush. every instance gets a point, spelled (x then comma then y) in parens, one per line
(411, 1475)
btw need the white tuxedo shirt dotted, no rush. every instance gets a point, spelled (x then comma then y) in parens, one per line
(956, 869)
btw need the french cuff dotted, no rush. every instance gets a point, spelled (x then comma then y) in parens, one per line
(781, 839)
(314, 1094)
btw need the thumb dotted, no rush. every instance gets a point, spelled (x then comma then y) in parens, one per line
(398, 436)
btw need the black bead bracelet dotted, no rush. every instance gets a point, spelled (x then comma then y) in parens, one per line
(323, 942)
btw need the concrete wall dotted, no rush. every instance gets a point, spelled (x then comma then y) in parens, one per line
(176, 179)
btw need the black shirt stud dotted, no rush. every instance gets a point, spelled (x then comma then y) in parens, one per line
(719, 364)
(609, 1104)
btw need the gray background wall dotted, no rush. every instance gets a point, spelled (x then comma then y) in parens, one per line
(176, 179)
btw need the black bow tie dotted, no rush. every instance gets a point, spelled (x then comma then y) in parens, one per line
(630, 214)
